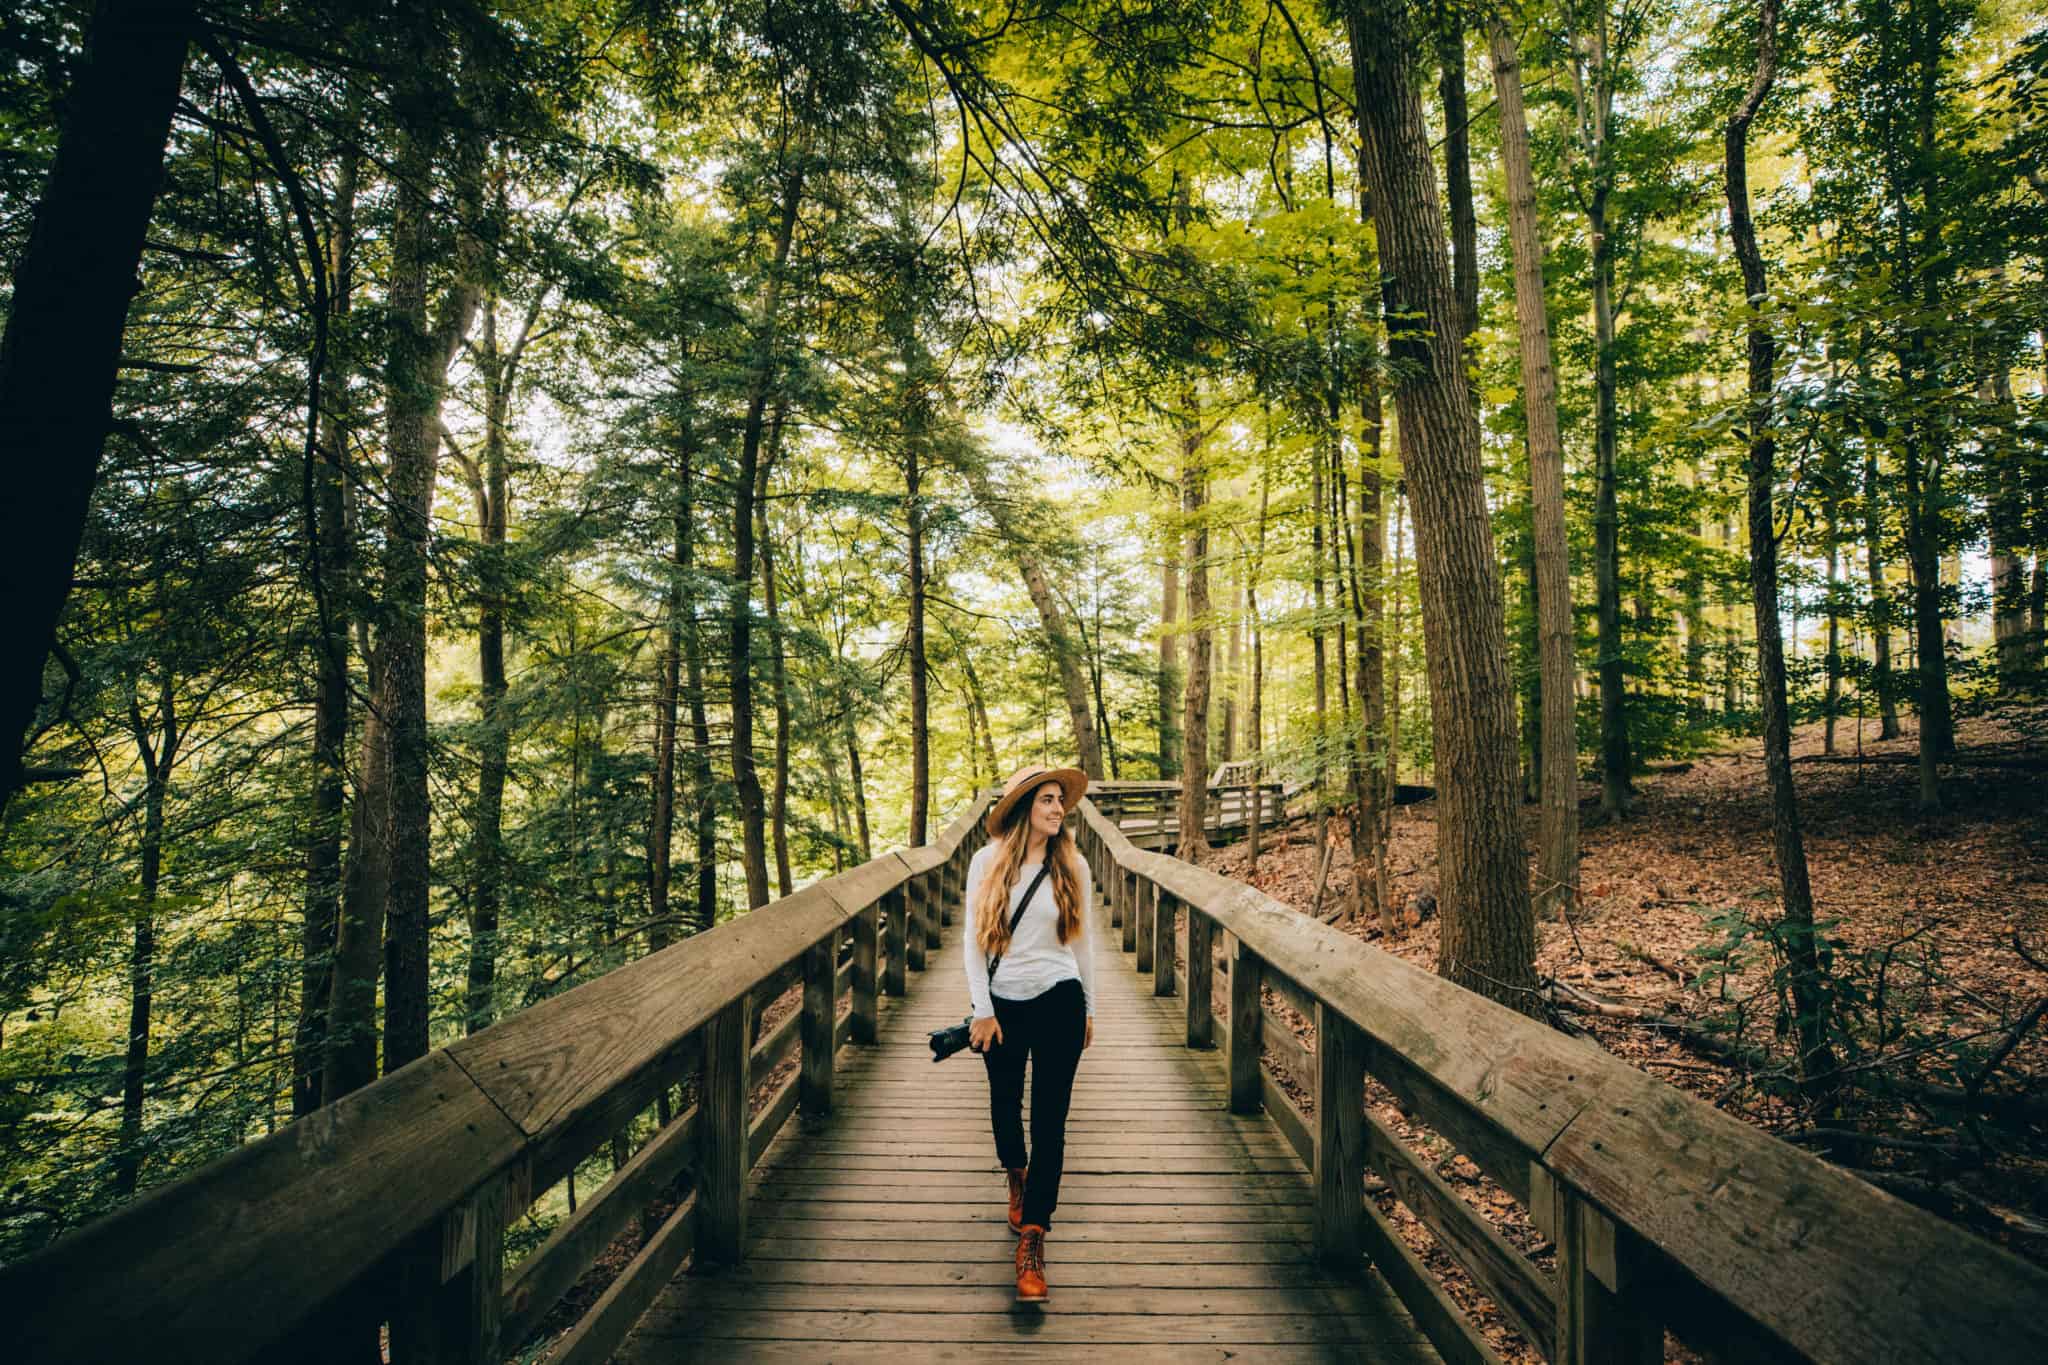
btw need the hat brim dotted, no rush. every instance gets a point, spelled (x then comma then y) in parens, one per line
(1073, 786)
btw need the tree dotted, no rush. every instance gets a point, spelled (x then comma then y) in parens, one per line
(1488, 942)
(1559, 777)
(1788, 844)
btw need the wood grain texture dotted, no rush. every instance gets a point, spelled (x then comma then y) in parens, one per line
(1180, 1227)
(1201, 1028)
(1340, 1139)
(1242, 1045)
(722, 1135)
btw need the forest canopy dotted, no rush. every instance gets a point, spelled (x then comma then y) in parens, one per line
(527, 482)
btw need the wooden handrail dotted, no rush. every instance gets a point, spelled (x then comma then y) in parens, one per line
(392, 1202)
(1666, 1212)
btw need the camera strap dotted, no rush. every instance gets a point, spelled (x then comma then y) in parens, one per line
(1018, 917)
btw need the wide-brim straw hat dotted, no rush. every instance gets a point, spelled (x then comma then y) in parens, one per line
(1073, 785)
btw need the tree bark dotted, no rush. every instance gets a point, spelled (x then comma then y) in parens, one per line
(61, 351)
(1194, 779)
(1488, 932)
(1558, 774)
(332, 557)
(1074, 685)
(740, 655)
(420, 353)
(1880, 598)
(1169, 664)
(1450, 49)
(1809, 985)
(158, 759)
(704, 810)
(778, 664)
(920, 701)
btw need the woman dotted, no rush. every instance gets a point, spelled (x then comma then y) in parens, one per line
(1040, 1004)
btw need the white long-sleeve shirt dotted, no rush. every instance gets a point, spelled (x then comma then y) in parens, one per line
(1036, 960)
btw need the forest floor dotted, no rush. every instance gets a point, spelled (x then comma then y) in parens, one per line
(1940, 923)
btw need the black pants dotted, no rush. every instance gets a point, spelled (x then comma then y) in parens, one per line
(1048, 1030)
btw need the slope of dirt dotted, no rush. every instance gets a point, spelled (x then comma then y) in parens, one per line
(1940, 922)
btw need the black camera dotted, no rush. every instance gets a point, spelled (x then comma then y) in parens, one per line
(949, 1040)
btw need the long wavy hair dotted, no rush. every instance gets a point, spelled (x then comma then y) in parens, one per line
(992, 903)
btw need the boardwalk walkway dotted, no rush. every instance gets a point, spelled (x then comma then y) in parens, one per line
(878, 1234)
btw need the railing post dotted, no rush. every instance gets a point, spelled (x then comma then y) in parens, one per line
(722, 1136)
(895, 940)
(946, 889)
(1142, 903)
(1129, 881)
(934, 898)
(1113, 887)
(814, 1031)
(1601, 1304)
(1163, 944)
(914, 937)
(1340, 1134)
(866, 1007)
(1201, 973)
(1246, 1095)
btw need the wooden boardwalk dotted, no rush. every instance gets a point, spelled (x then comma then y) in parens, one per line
(878, 1233)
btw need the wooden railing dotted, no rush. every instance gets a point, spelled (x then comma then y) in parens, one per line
(1230, 805)
(389, 1208)
(1665, 1212)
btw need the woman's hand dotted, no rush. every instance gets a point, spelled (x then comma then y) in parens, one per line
(982, 1032)
(1089, 1037)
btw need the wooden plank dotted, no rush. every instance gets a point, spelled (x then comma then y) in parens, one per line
(819, 1012)
(1509, 1278)
(896, 938)
(1288, 1118)
(556, 1264)
(776, 1044)
(473, 1302)
(722, 1135)
(1277, 1035)
(916, 942)
(766, 1124)
(1164, 944)
(1435, 1312)
(1325, 1330)
(934, 893)
(866, 984)
(598, 1333)
(1201, 1030)
(1243, 1041)
(1142, 904)
(1794, 1243)
(1600, 1316)
(1339, 1168)
(1128, 880)
(220, 1264)
(1003, 1353)
(1290, 992)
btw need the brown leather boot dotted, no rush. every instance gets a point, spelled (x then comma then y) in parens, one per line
(1031, 1265)
(1016, 1198)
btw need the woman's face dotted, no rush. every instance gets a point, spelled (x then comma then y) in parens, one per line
(1048, 809)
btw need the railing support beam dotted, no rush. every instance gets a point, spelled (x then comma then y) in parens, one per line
(934, 892)
(1163, 944)
(1602, 1312)
(914, 938)
(722, 1136)
(1245, 1017)
(896, 940)
(866, 927)
(1201, 974)
(1340, 1135)
(820, 1013)
(1142, 903)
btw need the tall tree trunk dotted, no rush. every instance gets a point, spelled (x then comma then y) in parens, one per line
(703, 808)
(1233, 668)
(332, 556)
(1809, 985)
(860, 794)
(359, 932)
(157, 761)
(740, 655)
(1614, 752)
(62, 347)
(420, 353)
(1558, 856)
(1880, 599)
(1194, 779)
(1450, 51)
(1255, 726)
(1831, 515)
(1488, 934)
(1369, 830)
(1169, 665)
(920, 701)
(2008, 536)
(778, 665)
(980, 705)
(1074, 685)
(1319, 647)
